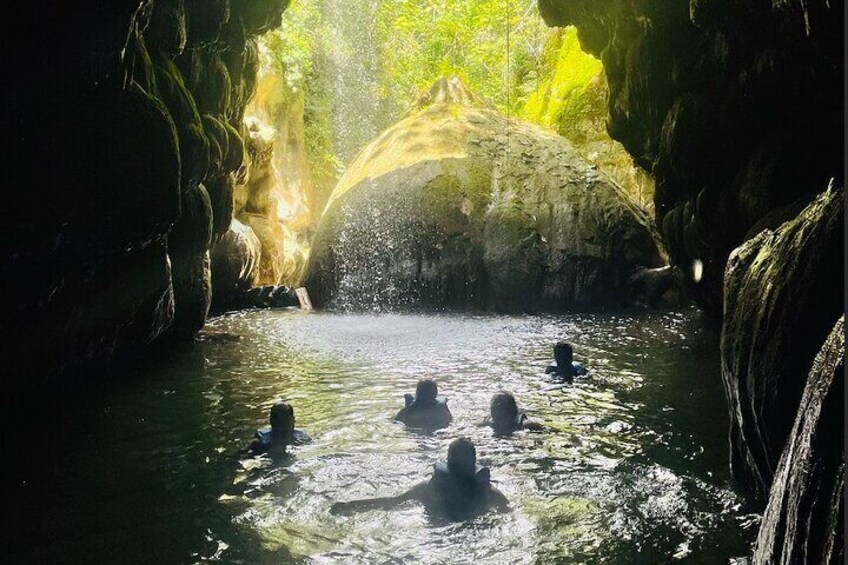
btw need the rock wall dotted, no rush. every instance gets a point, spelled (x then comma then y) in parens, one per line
(572, 100)
(783, 294)
(734, 107)
(128, 139)
(804, 521)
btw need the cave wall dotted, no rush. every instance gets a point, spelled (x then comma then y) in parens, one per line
(127, 140)
(804, 521)
(737, 109)
(734, 106)
(783, 295)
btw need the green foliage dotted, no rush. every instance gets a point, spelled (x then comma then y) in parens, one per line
(500, 49)
(494, 46)
(298, 52)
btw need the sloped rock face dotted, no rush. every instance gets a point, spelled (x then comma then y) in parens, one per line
(128, 141)
(453, 208)
(236, 260)
(783, 293)
(804, 520)
(733, 106)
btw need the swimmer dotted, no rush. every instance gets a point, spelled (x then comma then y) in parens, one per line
(280, 433)
(505, 418)
(425, 409)
(564, 365)
(459, 489)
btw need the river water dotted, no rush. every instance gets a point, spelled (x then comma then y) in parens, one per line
(149, 466)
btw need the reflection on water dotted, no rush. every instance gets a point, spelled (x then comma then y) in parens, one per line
(152, 469)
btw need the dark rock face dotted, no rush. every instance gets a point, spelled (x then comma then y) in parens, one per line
(783, 293)
(804, 520)
(734, 107)
(235, 264)
(126, 144)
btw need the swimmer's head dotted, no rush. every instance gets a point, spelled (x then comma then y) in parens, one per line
(462, 458)
(563, 355)
(503, 408)
(426, 391)
(282, 418)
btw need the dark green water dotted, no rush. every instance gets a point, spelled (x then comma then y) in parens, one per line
(149, 469)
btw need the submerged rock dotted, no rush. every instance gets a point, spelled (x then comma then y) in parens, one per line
(803, 522)
(457, 206)
(783, 294)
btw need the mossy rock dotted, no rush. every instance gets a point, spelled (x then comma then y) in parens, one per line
(456, 206)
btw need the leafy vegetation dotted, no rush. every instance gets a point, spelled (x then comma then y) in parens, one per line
(352, 68)
(494, 46)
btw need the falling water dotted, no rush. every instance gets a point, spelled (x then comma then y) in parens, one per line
(353, 73)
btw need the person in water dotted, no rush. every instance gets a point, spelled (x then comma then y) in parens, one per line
(425, 409)
(505, 417)
(564, 365)
(458, 490)
(281, 433)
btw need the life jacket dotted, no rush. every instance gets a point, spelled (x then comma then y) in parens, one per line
(517, 424)
(442, 477)
(265, 437)
(576, 367)
(409, 401)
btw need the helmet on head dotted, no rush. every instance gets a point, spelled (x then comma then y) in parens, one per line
(503, 407)
(564, 355)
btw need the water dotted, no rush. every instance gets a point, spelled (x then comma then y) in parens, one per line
(150, 468)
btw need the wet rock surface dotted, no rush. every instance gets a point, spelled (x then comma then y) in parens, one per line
(783, 293)
(465, 209)
(235, 264)
(804, 520)
(732, 107)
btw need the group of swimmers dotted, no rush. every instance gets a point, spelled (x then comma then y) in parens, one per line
(458, 488)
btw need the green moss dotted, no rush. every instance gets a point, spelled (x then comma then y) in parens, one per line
(571, 99)
(569, 91)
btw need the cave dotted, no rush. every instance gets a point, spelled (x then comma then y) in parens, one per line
(226, 207)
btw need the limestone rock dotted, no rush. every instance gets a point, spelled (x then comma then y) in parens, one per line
(457, 207)
(695, 91)
(235, 264)
(783, 293)
(804, 520)
(127, 145)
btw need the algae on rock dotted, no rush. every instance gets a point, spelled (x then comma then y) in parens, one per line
(456, 206)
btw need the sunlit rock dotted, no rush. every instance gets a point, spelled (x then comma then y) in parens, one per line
(455, 206)
(571, 99)
(258, 205)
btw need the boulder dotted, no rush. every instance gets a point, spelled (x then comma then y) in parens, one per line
(456, 206)
(235, 264)
(783, 293)
(804, 520)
